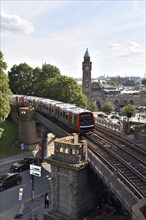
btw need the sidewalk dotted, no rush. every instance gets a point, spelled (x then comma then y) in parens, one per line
(34, 208)
(27, 208)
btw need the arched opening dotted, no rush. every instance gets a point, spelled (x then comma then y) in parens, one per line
(98, 105)
(123, 103)
(117, 105)
(131, 102)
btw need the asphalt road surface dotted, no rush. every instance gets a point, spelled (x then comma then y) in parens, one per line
(9, 198)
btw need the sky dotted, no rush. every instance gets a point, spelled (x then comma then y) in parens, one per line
(59, 32)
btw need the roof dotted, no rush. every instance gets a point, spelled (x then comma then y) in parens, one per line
(87, 54)
(129, 92)
(65, 106)
(78, 110)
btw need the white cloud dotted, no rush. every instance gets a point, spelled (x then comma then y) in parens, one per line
(115, 46)
(132, 49)
(15, 24)
(32, 8)
(140, 64)
(64, 29)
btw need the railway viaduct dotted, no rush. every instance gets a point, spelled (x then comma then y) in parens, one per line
(75, 190)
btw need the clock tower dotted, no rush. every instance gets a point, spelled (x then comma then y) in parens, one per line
(86, 79)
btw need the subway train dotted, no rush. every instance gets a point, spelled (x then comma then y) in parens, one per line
(79, 119)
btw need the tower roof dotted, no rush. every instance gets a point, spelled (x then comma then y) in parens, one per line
(87, 54)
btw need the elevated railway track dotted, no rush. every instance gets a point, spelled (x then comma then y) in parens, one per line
(122, 168)
(133, 155)
(123, 157)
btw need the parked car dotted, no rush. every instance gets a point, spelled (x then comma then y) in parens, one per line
(102, 115)
(9, 179)
(115, 117)
(23, 164)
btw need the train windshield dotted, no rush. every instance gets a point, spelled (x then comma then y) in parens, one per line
(86, 120)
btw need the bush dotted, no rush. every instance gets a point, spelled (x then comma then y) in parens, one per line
(1, 132)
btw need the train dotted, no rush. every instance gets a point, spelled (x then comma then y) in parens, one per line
(79, 119)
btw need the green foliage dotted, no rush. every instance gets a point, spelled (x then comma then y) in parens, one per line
(49, 71)
(130, 83)
(108, 108)
(4, 90)
(28, 81)
(1, 132)
(45, 82)
(42, 75)
(20, 78)
(9, 137)
(144, 81)
(65, 89)
(3, 65)
(92, 107)
(129, 109)
(116, 84)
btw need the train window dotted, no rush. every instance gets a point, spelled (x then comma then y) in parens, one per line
(60, 113)
(63, 114)
(66, 116)
(75, 119)
(86, 121)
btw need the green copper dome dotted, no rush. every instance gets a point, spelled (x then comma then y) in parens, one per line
(87, 54)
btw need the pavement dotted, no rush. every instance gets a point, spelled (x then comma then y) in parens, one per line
(27, 208)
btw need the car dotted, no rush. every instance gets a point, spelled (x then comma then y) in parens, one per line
(115, 117)
(23, 164)
(9, 179)
(102, 115)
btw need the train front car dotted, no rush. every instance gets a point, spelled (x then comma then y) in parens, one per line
(86, 122)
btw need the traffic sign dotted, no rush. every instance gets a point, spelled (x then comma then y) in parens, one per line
(35, 170)
(35, 173)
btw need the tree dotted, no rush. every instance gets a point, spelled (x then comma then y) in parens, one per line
(113, 83)
(130, 83)
(108, 108)
(20, 78)
(65, 89)
(28, 81)
(129, 111)
(93, 107)
(42, 75)
(143, 81)
(49, 71)
(4, 90)
(37, 83)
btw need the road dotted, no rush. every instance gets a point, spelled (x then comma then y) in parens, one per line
(9, 198)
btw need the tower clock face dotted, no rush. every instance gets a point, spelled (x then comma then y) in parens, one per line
(86, 67)
(86, 85)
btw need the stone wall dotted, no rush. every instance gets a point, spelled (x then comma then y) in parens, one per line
(72, 195)
(138, 100)
(28, 133)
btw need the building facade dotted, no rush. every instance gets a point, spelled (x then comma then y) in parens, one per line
(96, 93)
